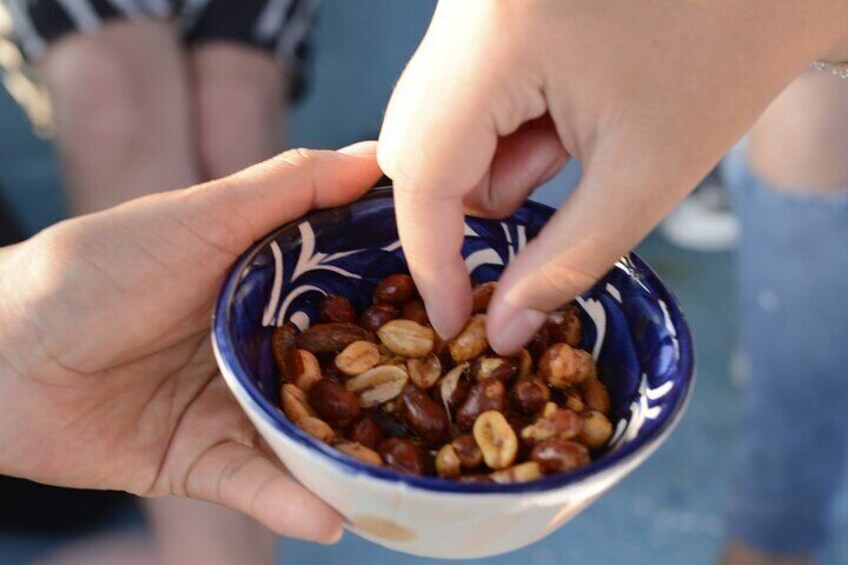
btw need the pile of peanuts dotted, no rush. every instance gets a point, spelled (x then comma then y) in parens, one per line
(384, 388)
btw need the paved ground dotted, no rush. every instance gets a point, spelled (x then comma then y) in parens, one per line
(667, 512)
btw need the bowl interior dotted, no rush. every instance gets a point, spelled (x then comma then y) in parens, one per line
(632, 324)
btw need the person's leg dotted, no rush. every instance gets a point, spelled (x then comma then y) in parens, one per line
(239, 100)
(791, 191)
(122, 110)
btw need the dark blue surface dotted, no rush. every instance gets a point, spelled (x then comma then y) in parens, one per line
(639, 348)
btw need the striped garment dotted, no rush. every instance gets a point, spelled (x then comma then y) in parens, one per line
(281, 26)
(28, 27)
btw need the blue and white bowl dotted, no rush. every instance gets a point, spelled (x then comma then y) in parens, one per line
(632, 325)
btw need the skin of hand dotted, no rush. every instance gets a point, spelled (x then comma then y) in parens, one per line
(647, 95)
(107, 378)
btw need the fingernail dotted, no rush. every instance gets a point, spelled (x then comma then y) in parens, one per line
(337, 537)
(511, 328)
(360, 148)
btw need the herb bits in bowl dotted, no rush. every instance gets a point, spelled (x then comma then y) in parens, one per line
(444, 449)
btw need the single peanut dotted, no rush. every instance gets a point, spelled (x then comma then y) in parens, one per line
(396, 290)
(453, 388)
(310, 370)
(597, 430)
(471, 341)
(358, 357)
(407, 338)
(285, 356)
(424, 372)
(402, 455)
(378, 385)
(556, 455)
(521, 473)
(467, 451)
(317, 428)
(596, 395)
(481, 295)
(566, 327)
(447, 462)
(359, 451)
(425, 416)
(496, 439)
(367, 433)
(525, 363)
(335, 308)
(530, 395)
(331, 338)
(574, 402)
(414, 310)
(295, 405)
(377, 315)
(333, 403)
(484, 396)
(562, 423)
(561, 365)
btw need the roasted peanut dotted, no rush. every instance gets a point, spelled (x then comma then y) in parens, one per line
(424, 372)
(467, 451)
(471, 341)
(447, 462)
(525, 363)
(285, 356)
(359, 451)
(377, 315)
(414, 310)
(550, 409)
(481, 295)
(367, 432)
(333, 403)
(310, 370)
(426, 417)
(396, 290)
(407, 338)
(402, 455)
(574, 402)
(586, 368)
(317, 428)
(335, 308)
(521, 473)
(597, 430)
(331, 338)
(562, 423)
(496, 439)
(486, 395)
(498, 368)
(539, 344)
(378, 385)
(596, 395)
(561, 365)
(295, 405)
(556, 455)
(358, 357)
(530, 395)
(453, 388)
(566, 327)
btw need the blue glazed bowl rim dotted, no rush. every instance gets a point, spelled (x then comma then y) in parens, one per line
(271, 414)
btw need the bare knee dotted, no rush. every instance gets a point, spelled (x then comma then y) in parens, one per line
(96, 99)
(240, 108)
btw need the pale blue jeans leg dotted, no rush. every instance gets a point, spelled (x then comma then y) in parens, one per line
(793, 271)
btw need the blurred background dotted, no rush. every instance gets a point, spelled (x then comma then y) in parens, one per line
(671, 509)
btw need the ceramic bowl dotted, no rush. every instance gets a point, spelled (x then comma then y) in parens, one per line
(632, 325)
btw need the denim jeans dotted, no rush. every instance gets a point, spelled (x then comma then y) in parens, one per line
(793, 270)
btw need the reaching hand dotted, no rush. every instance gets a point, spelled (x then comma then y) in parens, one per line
(107, 378)
(648, 95)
